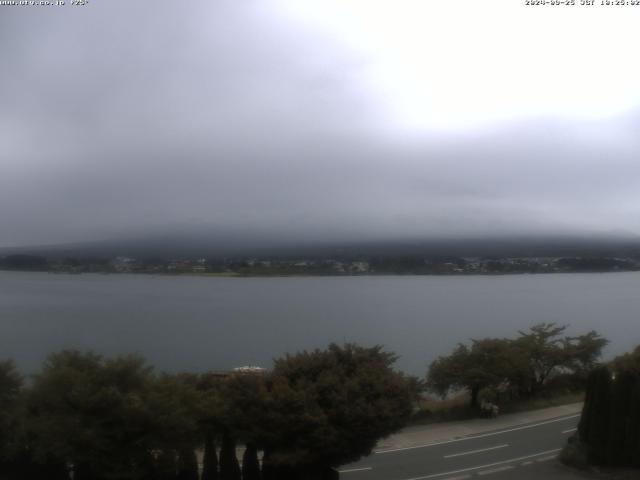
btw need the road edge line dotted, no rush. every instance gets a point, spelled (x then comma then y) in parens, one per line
(480, 435)
(469, 469)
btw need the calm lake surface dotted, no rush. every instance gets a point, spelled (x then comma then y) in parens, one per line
(200, 323)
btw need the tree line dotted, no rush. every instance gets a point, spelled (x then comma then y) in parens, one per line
(96, 418)
(101, 418)
(516, 368)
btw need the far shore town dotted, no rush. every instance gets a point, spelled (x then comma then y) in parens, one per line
(383, 265)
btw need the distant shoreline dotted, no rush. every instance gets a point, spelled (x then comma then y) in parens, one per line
(339, 266)
(310, 275)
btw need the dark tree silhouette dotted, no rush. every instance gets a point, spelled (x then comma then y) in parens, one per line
(330, 407)
(187, 465)
(210, 459)
(609, 429)
(250, 464)
(229, 466)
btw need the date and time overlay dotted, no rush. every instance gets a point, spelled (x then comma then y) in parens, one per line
(532, 3)
(44, 3)
(583, 3)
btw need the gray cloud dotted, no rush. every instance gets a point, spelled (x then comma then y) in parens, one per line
(122, 118)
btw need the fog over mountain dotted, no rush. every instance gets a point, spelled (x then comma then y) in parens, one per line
(290, 123)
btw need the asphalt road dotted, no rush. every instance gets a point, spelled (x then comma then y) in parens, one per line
(499, 453)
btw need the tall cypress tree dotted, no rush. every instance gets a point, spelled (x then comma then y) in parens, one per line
(187, 465)
(584, 425)
(167, 465)
(84, 471)
(634, 424)
(210, 459)
(25, 468)
(250, 463)
(267, 467)
(229, 466)
(147, 468)
(618, 435)
(610, 422)
(594, 428)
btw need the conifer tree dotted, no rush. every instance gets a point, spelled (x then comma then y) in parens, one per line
(187, 465)
(634, 425)
(594, 425)
(610, 424)
(10, 387)
(146, 469)
(250, 464)
(618, 435)
(210, 459)
(167, 465)
(267, 466)
(229, 466)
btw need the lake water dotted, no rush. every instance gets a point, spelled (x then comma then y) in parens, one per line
(200, 323)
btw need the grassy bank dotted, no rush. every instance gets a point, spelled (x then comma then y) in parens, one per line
(435, 410)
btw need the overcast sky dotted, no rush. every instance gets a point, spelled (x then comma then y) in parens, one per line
(331, 119)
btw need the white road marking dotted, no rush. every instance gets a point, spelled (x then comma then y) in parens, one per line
(489, 465)
(524, 464)
(351, 470)
(495, 470)
(484, 435)
(461, 477)
(546, 459)
(476, 451)
(570, 430)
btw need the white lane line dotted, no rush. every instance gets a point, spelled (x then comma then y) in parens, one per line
(495, 470)
(484, 435)
(489, 465)
(351, 470)
(524, 464)
(546, 459)
(461, 477)
(569, 430)
(470, 452)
